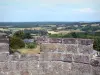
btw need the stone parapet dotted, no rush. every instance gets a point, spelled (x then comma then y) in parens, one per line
(67, 56)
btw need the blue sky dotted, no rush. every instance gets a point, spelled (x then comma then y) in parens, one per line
(49, 10)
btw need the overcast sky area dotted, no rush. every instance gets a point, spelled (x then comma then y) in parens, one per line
(49, 10)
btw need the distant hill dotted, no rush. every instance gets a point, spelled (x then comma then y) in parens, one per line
(35, 24)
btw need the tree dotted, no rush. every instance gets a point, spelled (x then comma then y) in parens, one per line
(16, 43)
(19, 34)
(74, 35)
(54, 28)
(27, 36)
(96, 45)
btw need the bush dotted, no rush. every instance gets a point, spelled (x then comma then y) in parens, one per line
(16, 43)
(31, 45)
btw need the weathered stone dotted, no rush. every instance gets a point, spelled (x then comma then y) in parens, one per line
(57, 67)
(45, 56)
(4, 67)
(81, 59)
(66, 66)
(84, 68)
(94, 62)
(14, 66)
(4, 47)
(23, 65)
(85, 41)
(71, 49)
(56, 57)
(24, 73)
(33, 72)
(96, 70)
(55, 40)
(43, 66)
(3, 57)
(86, 59)
(32, 65)
(29, 57)
(2, 73)
(61, 47)
(67, 57)
(69, 41)
(49, 47)
(85, 49)
(13, 73)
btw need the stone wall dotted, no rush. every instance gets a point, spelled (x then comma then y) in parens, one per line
(58, 57)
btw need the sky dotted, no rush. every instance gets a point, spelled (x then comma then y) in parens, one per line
(49, 10)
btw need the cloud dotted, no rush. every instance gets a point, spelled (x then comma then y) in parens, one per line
(60, 1)
(86, 10)
(69, 1)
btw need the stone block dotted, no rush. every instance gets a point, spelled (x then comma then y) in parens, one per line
(33, 72)
(56, 67)
(4, 47)
(42, 40)
(32, 65)
(24, 73)
(11, 73)
(1, 66)
(94, 62)
(55, 40)
(23, 65)
(14, 73)
(69, 41)
(96, 70)
(81, 59)
(49, 47)
(66, 66)
(4, 67)
(3, 57)
(45, 56)
(56, 57)
(43, 66)
(85, 41)
(13, 65)
(29, 57)
(71, 49)
(67, 57)
(61, 47)
(85, 49)
(86, 59)
(82, 68)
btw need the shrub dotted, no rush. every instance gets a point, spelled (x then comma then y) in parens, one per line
(31, 45)
(16, 43)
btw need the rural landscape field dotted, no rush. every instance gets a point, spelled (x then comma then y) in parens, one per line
(27, 33)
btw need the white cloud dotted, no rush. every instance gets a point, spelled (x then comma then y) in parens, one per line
(60, 1)
(86, 10)
(69, 1)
